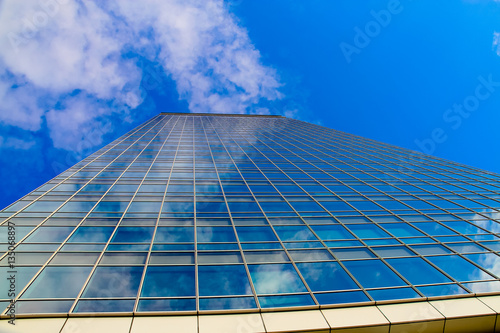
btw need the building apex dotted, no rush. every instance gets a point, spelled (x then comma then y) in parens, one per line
(220, 114)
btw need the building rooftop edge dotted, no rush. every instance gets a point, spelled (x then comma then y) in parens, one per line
(220, 114)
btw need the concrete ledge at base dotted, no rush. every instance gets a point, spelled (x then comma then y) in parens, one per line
(295, 321)
(466, 315)
(463, 315)
(356, 317)
(97, 325)
(413, 317)
(493, 302)
(232, 323)
(38, 325)
(177, 324)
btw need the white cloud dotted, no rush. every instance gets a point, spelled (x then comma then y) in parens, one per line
(51, 49)
(15, 143)
(496, 42)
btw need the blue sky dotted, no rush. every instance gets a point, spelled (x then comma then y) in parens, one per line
(74, 75)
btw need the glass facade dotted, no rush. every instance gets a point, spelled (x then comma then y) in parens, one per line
(197, 212)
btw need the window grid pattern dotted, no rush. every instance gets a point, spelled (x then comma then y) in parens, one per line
(199, 213)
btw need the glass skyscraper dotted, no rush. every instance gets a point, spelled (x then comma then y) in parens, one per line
(210, 215)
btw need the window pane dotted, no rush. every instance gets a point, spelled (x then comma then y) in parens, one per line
(116, 281)
(58, 282)
(167, 281)
(91, 235)
(417, 271)
(215, 234)
(174, 234)
(276, 279)
(324, 276)
(373, 274)
(293, 233)
(255, 234)
(459, 269)
(223, 280)
(133, 235)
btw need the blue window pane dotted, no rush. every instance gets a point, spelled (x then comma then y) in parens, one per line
(174, 234)
(49, 234)
(111, 305)
(303, 245)
(418, 204)
(336, 206)
(483, 287)
(180, 188)
(58, 282)
(116, 281)
(326, 232)
(464, 227)
(367, 231)
(261, 246)
(311, 255)
(417, 240)
(210, 207)
(144, 206)
(223, 280)
(433, 228)
(236, 207)
(152, 305)
(255, 234)
(276, 279)
(235, 188)
(211, 187)
(324, 276)
(341, 297)
(285, 301)
(178, 207)
(489, 261)
(442, 290)
(167, 281)
(373, 274)
(392, 205)
(265, 256)
(365, 205)
(459, 269)
(275, 207)
(393, 251)
(466, 247)
(306, 206)
(417, 271)
(91, 235)
(392, 294)
(430, 249)
(356, 253)
(41, 206)
(219, 303)
(294, 233)
(77, 206)
(23, 275)
(111, 206)
(215, 234)
(27, 307)
(133, 235)
(401, 229)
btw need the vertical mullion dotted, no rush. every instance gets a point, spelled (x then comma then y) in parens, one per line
(117, 225)
(256, 299)
(146, 264)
